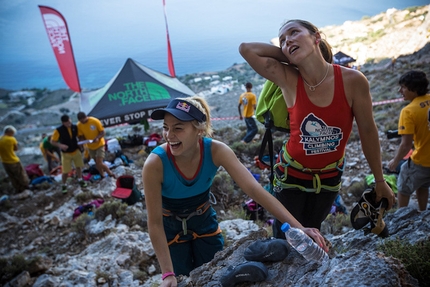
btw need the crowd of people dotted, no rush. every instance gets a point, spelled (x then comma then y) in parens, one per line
(323, 100)
(63, 150)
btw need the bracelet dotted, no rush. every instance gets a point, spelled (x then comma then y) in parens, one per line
(382, 180)
(167, 274)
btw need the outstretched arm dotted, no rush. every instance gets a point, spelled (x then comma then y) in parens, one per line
(152, 177)
(225, 157)
(358, 87)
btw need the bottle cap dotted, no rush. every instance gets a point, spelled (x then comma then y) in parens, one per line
(285, 227)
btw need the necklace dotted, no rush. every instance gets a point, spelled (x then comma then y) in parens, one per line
(312, 88)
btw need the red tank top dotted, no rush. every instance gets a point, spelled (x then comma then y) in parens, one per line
(319, 134)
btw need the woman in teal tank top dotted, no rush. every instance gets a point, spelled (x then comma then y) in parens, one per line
(177, 177)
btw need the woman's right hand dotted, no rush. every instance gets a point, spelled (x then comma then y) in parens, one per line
(169, 282)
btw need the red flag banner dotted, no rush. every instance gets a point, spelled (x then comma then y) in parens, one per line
(58, 35)
(169, 48)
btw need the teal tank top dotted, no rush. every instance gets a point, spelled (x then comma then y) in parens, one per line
(175, 186)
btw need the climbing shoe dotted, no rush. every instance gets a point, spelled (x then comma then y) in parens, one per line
(367, 210)
(246, 272)
(64, 189)
(267, 250)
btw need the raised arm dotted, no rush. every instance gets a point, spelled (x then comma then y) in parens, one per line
(357, 90)
(267, 60)
(225, 157)
(152, 176)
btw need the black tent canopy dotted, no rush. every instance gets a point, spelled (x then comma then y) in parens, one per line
(343, 59)
(132, 94)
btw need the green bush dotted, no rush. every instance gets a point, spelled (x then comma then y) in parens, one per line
(415, 258)
(83, 197)
(79, 226)
(11, 267)
(334, 224)
(115, 208)
(135, 216)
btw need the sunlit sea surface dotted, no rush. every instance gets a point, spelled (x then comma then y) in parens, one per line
(188, 59)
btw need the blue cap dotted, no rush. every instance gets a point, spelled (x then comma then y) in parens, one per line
(285, 227)
(180, 109)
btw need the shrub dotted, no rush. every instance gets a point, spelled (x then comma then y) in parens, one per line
(11, 267)
(115, 208)
(135, 216)
(223, 188)
(334, 224)
(415, 258)
(79, 226)
(83, 197)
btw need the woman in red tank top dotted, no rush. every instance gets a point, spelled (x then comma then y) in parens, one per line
(322, 100)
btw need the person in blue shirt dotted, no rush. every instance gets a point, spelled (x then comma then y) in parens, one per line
(177, 177)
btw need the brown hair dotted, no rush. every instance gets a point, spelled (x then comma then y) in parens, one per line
(323, 44)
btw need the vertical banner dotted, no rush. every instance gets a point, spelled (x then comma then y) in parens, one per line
(58, 35)
(169, 48)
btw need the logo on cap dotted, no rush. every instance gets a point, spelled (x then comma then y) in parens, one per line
(183, 106)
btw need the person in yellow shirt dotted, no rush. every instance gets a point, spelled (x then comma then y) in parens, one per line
(11, 162)
(65, 137)
(414, 127)
(92, 130)
(249, 102)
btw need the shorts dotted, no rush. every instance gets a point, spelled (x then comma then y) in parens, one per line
(69, 158)
(96, 153)
(412, 176)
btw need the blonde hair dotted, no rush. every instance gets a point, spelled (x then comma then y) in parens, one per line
(202, 105)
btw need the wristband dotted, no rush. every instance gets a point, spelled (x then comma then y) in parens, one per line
(382, 180)
(167, 274)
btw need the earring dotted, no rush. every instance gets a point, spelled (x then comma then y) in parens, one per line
(317, 41)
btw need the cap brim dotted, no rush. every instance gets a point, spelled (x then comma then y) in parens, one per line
(180, 115)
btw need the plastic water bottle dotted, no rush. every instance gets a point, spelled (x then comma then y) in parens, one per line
(304, 244)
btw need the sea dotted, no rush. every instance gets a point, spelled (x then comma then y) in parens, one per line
(188, 58)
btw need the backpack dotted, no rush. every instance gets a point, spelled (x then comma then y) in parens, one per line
(391, 180)
(271, 111)
(33, 171)
(126, 190)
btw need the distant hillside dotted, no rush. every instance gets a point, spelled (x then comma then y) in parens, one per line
(387, 35)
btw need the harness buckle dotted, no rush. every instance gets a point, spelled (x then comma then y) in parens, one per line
(184, 226)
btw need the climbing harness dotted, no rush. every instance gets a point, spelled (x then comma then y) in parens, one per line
(286, 161)
(183, 218)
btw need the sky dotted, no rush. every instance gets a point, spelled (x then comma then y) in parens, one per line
(203, 33)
